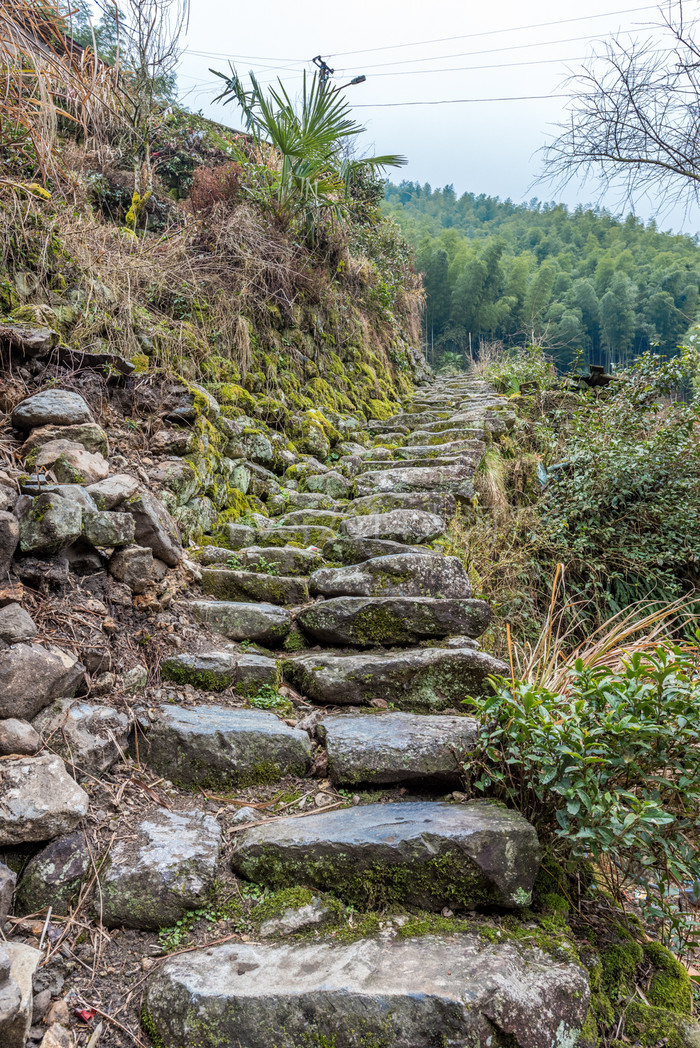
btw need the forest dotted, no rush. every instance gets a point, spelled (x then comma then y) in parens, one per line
(584, 284)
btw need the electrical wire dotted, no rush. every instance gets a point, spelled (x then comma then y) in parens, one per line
(453, 101)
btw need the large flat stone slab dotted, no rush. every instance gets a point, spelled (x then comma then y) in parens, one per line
(413, 679)
(454, 479)
(366, 621)
(404, 574)
(354, 551)
(38, 800)
(250, 585)
(288, 560)
(399, 525)
(423, 853)
(442, 504)
(458, 990)
(165, 866)
(221, 747)
(264, 623)
(381, 748)
(295, 535)
(218, 670)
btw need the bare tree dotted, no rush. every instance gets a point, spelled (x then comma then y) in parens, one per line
(634, 118)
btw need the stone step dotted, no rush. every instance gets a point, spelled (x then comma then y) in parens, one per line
(424, 437)
(459, 990)
(369, 621)
(455, 480)
(245, 672)
(443, 504)
(220, 747)
(264, 623)
(353, 551)
(446, 425)
(300, 535)
(398, 525)
(288, 560)
(436, 451)
(427, 679)
(403, 574)
(381, 748)
(419, 462)
(250, 585)
(429, 854)
(325, 517)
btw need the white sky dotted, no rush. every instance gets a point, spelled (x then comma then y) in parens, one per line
(481, 147)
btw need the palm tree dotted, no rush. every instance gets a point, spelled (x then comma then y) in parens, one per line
(312, 177)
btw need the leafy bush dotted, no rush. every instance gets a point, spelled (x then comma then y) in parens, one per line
(610, 771)
(510, 368)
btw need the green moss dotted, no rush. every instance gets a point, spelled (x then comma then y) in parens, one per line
(650, 1026)
(670, 984)
(277, 903)
(204, 680)
(151, 1030)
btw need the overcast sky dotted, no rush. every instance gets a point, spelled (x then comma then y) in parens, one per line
(455, 50)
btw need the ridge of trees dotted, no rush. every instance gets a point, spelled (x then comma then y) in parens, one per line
(584, 283)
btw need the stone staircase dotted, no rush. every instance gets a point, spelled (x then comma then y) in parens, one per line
(381, 618)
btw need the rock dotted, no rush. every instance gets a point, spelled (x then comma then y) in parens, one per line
(209, 555)
(404, 574)
(8, 880)
(185, 403)
(366, 621)
(264, 623)
(8, 496)
(218, 670)
(173, 442)
(354, 551)
(133, 566)
(43, 574)
(89, 737)
(429, 854)
(243, 816)
(70, 463)
(134, 679)
(9, 540)
(51, 407)
(380, 748)
(57, 1036)
(288, 560)
(16, 625)
(155, 527)
(439, 505)
(251, 586)
(296, 919)
(399, 525)
(38, 800)
(17, 736)
(469, 990)
(413, 679)
(332, 484)
(108, 530)
(239, 535)
(53, 876)
(326, 517)
(301, 534)
(91, 436)
(31, 340)
(110, 493)
(49, 523)
(73, 492)
(32, 675)
(17, 992)
(178, 476)
(165, 868)
(222, 748)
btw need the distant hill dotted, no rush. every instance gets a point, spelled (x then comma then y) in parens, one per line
(579, 281)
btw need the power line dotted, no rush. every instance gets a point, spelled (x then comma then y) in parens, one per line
(453, 101)
(466, 69)
(492, 32)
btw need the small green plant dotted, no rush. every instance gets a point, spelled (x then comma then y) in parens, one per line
(232, 562)
(608, 771)
(268, 698)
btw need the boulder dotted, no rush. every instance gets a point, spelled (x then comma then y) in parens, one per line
(166, 867)
(251, 586)
(18, 736)
(31, 340)
(399, 525)
(412, 679)
(367, 621)
(326, 517)
(238, 535)
(107, 530)
(8, 880)
(90, 738)
(403, 574)
(49, 523)
(16, 625)
(401, 993)
(38, 800)
(91, 436)
(333, 484)
(18, 964)
(354, 551)
(218, 670)
(264, 623)
(31, 676)
(429, 854)
(70, 463)
(133, 566)
(51, 407)
(187, 402)
(110, 493)
(73, 492)
(155, 527)
(222, 748)
(381, 748)
(9, 540)
(178, 476)
(300, 535)
(53, 876)
(287, 560)
(438, 504)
